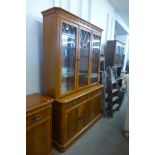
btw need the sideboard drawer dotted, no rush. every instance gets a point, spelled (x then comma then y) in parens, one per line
(88, 96)
(38, 116)
(73, 103)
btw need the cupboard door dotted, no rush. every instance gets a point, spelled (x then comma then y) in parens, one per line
(72, 123)
(68, 57)
(95, 58)
(86, 113)
(84, 57)
(38, 139)
(96, 105)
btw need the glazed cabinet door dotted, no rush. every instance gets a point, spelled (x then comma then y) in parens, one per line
(96, 106)
(38, 139)
(72, 123)
(119, 54)
(68, 46)
(84, 53)
(95, 58)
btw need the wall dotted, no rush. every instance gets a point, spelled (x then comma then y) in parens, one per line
(98, 12)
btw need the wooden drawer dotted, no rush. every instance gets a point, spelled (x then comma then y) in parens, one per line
(96, 92)
(38, 116)
(89, 95)
(73, 103)
(81, 99)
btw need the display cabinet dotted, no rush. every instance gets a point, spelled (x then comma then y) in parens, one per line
(71, 53)
(71, 66)
(114, 55)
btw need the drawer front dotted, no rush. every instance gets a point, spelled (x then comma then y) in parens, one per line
(82, 99)
(73, 103)
(89, 95)
(96, 92)
(38, 116)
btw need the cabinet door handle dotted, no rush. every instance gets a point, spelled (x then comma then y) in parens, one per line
(74, 102)
(36, 117)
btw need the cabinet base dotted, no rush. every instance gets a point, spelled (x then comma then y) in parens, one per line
(51, 153)
(63, 148)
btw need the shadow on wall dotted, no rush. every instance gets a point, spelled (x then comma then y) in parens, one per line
(39, 26)
(34, 55)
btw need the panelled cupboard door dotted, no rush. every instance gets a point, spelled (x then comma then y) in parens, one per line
(38, 139)
(72, 123)
(84, 57)
(86, 113)
(95, 58)
(96, 106)
(68, 47)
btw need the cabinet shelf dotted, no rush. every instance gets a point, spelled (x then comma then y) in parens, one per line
(115, 107)
(114, 90)
(106, 95)
(115, 98)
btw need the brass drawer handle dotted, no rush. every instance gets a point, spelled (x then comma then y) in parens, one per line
(36, 117)
(74, 102)
(89, 95)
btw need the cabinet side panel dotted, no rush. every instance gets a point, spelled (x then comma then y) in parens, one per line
(58, 123)
(51, 55)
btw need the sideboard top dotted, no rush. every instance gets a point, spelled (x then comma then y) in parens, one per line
(37, 100)
(59, 11)
(78, 94)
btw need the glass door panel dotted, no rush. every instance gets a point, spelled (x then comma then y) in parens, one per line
(84, 57)
(69, 37)
(95, 58)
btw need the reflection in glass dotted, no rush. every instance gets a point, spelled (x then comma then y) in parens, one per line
(84, 57)
(68, 58)
(119, 57)
(95, 58)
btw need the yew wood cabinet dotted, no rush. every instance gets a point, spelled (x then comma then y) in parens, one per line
(38, 125)
(71, 74)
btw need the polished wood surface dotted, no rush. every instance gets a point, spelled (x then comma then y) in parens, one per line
(74, 116)
(87, 92)
(77, 104)
(38, 125)
(36, 100)
(57, 11)
(53, 20)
